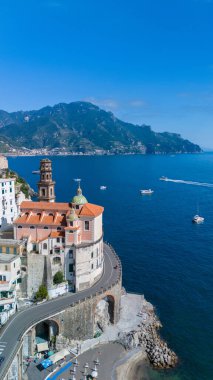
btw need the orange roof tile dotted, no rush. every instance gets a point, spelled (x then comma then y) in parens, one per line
(55, 234)
(45, 206)
(89, 209)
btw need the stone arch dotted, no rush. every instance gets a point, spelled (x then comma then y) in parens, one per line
(104, 312)
(111, 307)
(57, 260)
(47, 330)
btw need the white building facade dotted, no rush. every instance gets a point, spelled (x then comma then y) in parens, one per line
(10, 274)
(8, 206)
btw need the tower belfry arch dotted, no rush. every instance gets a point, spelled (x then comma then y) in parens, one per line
(46, 185)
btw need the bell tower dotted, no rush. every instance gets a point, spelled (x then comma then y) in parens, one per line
(46, 186)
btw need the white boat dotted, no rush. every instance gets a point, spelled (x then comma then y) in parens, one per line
(36, 171)
(163, 178)
(198, 219)
(103, 187)
(146, 192)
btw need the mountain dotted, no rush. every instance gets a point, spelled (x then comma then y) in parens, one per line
(84, 127)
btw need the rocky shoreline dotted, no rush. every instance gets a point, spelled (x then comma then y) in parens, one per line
(146, 336)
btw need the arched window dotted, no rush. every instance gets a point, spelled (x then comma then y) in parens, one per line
(32, 227)
(45, 246)
(45, 228)
(19, 226)
(38, 213)
(56, 260)
(43, 192)
(51, 191)
(58, 228)
(51, 214)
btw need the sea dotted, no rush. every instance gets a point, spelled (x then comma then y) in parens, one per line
(164, 255)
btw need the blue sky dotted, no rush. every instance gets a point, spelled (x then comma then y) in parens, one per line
(147, 61)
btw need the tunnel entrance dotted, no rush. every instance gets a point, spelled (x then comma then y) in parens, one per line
(104, 312)
(46, 331)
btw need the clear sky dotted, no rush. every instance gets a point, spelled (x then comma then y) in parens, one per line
(147, 61)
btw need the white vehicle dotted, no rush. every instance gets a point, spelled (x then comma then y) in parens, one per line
(146, 192)
(103, 187)
(198, 219)
(163, 178)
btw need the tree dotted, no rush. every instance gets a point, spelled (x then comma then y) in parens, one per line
(58, 278)
(42, 292)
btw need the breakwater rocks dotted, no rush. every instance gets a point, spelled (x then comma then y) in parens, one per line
(146, 336)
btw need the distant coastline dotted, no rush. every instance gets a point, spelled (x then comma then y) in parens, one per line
(42, 153)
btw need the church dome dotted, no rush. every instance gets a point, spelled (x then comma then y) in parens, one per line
(79, 199)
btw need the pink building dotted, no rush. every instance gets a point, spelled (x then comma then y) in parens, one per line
(70, 234)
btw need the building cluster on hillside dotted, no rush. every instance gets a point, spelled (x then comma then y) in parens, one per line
(51, 237)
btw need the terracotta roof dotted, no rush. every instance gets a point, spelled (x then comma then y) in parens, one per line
(55, 234)
(91, 210)
(44, 206)
(33, 219)
(72, 228)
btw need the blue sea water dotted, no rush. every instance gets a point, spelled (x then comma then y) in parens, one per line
(164, 255)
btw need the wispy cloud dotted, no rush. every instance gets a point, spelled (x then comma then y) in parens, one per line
(138, 103)
(106, 103)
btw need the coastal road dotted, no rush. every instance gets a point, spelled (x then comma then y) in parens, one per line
(14, 330)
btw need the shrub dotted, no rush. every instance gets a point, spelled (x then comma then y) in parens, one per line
(42, 292)
(58, 278)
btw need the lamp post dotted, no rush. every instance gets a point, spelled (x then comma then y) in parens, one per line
(94, 375)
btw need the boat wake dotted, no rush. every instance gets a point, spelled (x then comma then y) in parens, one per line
(204, 184)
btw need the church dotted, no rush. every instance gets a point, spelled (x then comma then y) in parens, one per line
(68, 236)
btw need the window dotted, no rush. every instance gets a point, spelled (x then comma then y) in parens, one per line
(91, 266)
(51, 191)
(0, 249)
(7, 249)
(15, 251)
(63, 240)
(45, 246)
(14, 265)
(70, 254)
(32, 227)
(86, 225)
(91, 255)
(43, 192)
(58, 228)
(56, 260)
(11, 189)
(11, 210)
(2, 184)
(97, 252)
(70, 267)
(58, 240)
(11, 202)
(3, 191)
(4, 278)
(6, 267)
(45, 228)
(19, 226)
(10, 183)
(71, 224)
(51, 214)
(97, 264)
